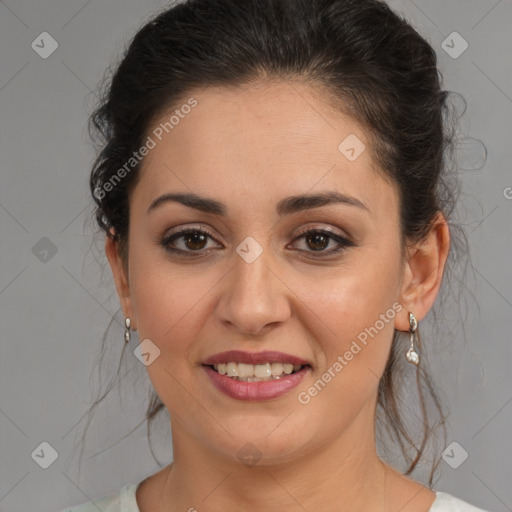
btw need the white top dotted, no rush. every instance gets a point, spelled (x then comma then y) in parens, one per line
(124, 501)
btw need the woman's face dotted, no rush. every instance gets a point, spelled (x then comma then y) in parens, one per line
(248, 280)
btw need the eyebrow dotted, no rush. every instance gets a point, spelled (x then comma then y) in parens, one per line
(286, 206)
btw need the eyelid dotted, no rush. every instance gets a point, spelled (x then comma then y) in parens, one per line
(302, 231)
(314, 227)
(189, 227)
(342, 241)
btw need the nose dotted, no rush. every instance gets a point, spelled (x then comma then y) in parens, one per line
(254, 297)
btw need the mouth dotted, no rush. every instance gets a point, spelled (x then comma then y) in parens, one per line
(243, 383)
(256, 372)
(255, 366)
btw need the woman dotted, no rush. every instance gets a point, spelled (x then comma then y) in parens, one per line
(274, 197)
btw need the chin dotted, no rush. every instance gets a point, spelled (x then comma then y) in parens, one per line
(261, 447)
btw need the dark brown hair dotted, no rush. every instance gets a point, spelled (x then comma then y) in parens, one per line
(374, 66)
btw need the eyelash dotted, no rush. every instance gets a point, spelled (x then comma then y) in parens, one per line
(167, 240)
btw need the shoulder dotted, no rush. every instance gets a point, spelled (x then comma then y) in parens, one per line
(445, 502)
(121, 501)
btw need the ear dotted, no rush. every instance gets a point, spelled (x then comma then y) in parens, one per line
(423, 273)
(120, 279)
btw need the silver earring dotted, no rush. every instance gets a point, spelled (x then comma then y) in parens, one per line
(127, 324)
(411, 355)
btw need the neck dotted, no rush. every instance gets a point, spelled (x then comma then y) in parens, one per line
(345, 473)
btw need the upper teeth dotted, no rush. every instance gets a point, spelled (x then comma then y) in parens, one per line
(233, 369)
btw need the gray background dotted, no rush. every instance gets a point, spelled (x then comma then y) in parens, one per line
(55, 307)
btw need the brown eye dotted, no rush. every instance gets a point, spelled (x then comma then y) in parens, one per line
(317, 240)
(193, 242)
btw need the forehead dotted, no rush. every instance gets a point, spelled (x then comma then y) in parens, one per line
(265, 140)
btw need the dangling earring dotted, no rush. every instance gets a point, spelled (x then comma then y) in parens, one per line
(127, 330)
(411, 355)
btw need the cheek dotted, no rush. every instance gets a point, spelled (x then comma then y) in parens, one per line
(171, 305)
(164, 309)
(354, 296)
(358, 319)
(353, 319)
(163, 294)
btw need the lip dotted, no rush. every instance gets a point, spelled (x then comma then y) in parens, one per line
(262, 390)
(267, 356)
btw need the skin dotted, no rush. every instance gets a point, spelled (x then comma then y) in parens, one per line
(250, 147)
